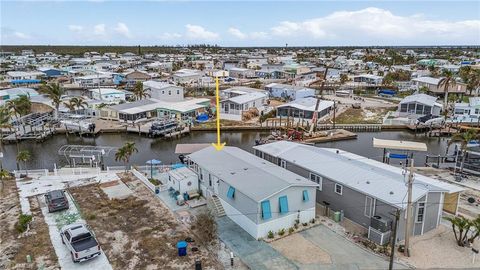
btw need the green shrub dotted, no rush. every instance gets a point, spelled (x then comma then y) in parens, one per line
(281, 232)
(270, 234)
(291, 230)
(22, 223)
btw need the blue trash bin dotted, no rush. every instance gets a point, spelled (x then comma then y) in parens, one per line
(182, 248)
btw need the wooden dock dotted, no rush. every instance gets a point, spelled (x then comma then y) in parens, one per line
(331, 136)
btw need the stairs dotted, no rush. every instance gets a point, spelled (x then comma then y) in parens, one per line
(217, 205)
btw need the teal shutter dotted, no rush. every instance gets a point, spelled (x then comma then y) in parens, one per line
(283, 201)
(305, 195)
(266, 213)
(231, 192)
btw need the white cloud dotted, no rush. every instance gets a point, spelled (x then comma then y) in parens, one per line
(123, 30)
(198, 32)
(21, 35)
(379, 25)
(75, 28)
(237, 33)
(99, 29)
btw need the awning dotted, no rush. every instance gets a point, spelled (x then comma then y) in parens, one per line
(399, 145)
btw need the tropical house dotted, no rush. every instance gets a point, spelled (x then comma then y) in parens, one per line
(14, 93)
(419, 105)
(304, 108)
(467, 112)
(163, 91)
(432, 84)
(257, 196)
(237, 100)
(108, 95)
(364, 191)
(368, 79)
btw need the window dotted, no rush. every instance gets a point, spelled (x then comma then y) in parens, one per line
(231, 193)
(169, 92)
(477, 111)
(338, 189)
(403, 107)
(420, 212)
(368, 206)
(283, 164)
(317, 179)
(283, 203)
(209, 179)
(178, 92)
(200, 173)
(305, 196)
(266, 213)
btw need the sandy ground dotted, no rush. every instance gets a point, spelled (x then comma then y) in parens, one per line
(14, 247)
(438, 249)
(296, 247)
(138, 232)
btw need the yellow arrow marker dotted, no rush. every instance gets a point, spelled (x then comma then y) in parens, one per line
(218, 145)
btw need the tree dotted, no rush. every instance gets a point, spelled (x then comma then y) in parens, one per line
(446, 82)
(125, 152)
(464, 138)
(139, 92)
(5, 117)
(471, 77)
(54, 92)
(343, 78)
(70, 105)
(423, 89)
(460, 227)
(206, 227)
(24, 156)
(476, 225)
(257, 84)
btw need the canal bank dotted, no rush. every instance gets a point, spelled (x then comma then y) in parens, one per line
(45, 154)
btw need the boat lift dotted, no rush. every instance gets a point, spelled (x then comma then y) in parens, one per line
(85, 154)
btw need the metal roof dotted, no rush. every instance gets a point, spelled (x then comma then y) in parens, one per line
(378, 180)
(255, 177)
(308, 104)
(84, 151)
(420, 98)
(399, 145)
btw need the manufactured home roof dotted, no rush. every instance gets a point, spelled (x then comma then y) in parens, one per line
(428, 80)
(381, 181)
(255, 177)
(420, 98)
(308, 104)
(188, 148)
(242, 99)
(182, 173)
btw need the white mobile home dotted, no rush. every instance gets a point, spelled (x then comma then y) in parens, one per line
(419, 105)
(287, 91)
(257, 196)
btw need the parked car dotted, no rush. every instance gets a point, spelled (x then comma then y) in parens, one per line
(56, 200)
(80, 241)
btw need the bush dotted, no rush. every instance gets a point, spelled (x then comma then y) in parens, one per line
(206, 226)
(295, 225)
(155, 182)
(22, 223)
(291, 230)
(281, 232)
(312, 221)
(270, 234)
(305, 224)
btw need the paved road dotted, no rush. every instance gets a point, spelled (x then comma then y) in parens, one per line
(260, 255)
(255, 254)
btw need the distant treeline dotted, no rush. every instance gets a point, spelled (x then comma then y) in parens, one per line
(80, 50)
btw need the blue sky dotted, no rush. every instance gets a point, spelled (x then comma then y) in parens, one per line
(252, 23)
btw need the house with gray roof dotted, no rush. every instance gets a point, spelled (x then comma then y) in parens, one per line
(364, 191)
(257, 196)
(419, 105)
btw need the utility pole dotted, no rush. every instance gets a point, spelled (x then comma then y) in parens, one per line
(394, 238)
(408, 227)
(334, 109)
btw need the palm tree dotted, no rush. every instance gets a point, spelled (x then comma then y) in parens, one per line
(24, 156)
(476, 225)
(471, 77)
(19, 107)
(54, 92)
(446, 82)
(124, 153)
(5, 117)
(70, 105)
(464, 138)
(79, 102)
(139, 93)
(460, 227)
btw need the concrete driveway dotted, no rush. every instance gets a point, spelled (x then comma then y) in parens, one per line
(255, 254)
(260, 255)
(343, 253)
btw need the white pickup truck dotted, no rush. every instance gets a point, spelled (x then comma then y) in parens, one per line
(80, 241)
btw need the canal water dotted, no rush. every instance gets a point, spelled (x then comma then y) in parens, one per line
(45, 154)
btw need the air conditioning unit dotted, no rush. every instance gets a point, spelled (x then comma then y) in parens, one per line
(380, 223)
(381, 238)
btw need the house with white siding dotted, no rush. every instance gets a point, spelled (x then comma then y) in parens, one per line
(257, 196)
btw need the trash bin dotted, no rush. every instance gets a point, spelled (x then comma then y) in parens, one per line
(182, 248)
(157, 190)
(336, 216)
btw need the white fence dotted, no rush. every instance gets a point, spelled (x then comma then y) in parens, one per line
(144, 179)
(39, 172)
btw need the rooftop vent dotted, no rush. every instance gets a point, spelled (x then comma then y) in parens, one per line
(368, 182)
(232, 173)
(391, 192)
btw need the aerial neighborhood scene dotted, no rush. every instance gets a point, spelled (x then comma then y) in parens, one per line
(239, 135)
